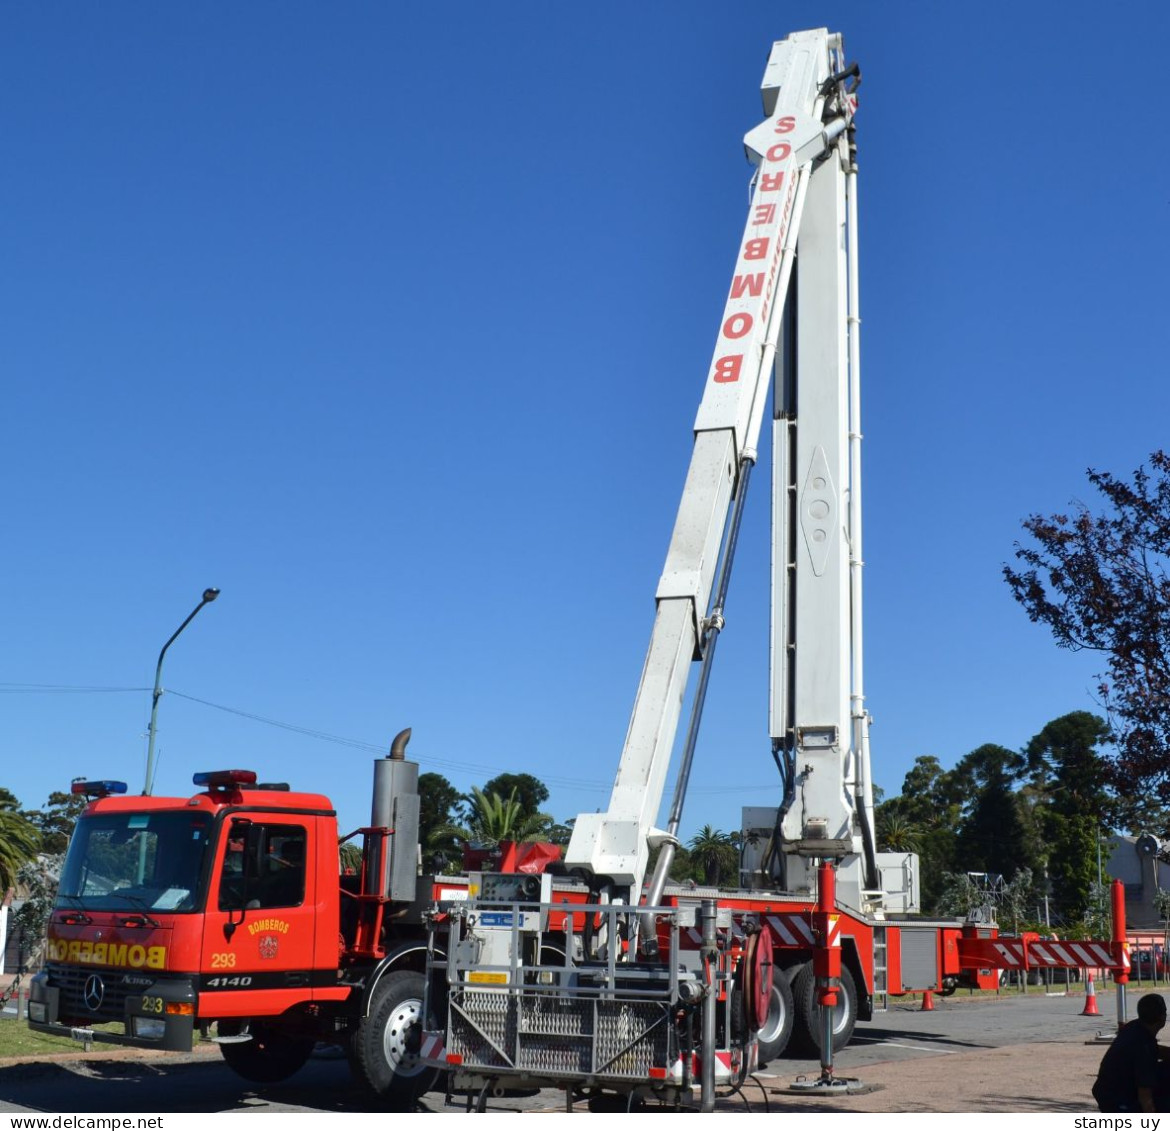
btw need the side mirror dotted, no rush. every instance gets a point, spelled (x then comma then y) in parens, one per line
(237, 878)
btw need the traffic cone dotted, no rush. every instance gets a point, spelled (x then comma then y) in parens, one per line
(927, 1002)
(1090, 1009)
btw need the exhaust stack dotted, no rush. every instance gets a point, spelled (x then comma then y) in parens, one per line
(393, 840)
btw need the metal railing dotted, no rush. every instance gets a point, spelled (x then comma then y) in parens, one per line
(601, 1019)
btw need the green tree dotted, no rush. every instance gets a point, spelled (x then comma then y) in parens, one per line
(19, 840)
(961, 895)
(1070, 802)
(349, 859)
(992, 835)
(38, 879)
(897, 834)
(490, 818)
(713, 854)
(530, 793)
(559, 832)
(56, 821)
(928, 803)
(438, 800)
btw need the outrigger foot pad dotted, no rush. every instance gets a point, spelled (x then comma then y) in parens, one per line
(827, 1086)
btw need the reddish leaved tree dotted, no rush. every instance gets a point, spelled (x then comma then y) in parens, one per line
(1100, 581)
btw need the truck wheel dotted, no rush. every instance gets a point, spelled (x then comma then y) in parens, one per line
(384, 1051)
(806, 1032)
(777, 1029)
(270, 1056)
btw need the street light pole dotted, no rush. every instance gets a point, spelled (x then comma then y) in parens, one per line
(209, 595)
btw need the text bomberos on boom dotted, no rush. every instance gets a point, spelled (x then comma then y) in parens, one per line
(753, 287)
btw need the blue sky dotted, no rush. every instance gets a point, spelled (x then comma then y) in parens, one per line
(392, 320)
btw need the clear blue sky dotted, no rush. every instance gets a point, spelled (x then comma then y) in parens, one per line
(392, 320)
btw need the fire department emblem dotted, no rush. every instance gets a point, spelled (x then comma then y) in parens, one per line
(268, 946)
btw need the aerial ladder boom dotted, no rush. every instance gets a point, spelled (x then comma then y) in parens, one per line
(805, 133)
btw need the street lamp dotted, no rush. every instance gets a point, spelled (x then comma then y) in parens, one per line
(209, 595)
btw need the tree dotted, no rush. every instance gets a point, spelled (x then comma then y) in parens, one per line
(19, 840)
(992, 836)
(349, 859)
(438, 800)
(530, 793)
(559, 832)
(896, 834)
(1100, 583)
(56, 821)
(714, 854)
(1070, 801)
(929, 804)
(38, 880)
(490, 818)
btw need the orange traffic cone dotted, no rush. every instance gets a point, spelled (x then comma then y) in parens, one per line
(927, 1002)
(1090, 1009)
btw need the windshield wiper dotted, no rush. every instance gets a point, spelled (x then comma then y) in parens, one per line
(144, 916)
(74, 917)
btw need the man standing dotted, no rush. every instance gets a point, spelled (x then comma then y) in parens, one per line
(1133, 1075)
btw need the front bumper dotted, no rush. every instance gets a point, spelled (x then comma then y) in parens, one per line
(74, 1002)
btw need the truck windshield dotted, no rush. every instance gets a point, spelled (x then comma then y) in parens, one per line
(127, 861)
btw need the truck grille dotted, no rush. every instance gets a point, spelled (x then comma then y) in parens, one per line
(115, 985)
(553, 1034)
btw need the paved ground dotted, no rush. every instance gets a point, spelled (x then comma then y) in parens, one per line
(1006, 1054)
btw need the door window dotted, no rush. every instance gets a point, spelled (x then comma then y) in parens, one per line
(263, 866)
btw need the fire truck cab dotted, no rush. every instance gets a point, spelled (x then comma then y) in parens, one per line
(224, 916)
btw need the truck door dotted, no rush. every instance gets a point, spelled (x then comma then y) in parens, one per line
(259, 928)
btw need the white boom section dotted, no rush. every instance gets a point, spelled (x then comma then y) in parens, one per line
(615, 844)
(818, 719)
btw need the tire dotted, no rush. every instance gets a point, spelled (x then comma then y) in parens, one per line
(269, 1057)
(776, 1030)
(806, 1030)
(382, 1051)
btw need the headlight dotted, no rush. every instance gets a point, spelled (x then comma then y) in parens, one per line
(38, 1011)
(148, 1028)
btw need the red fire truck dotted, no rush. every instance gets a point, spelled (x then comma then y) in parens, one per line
(223, 915)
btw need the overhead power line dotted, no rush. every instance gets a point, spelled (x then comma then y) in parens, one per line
(378, 748)
(59, 688)
(324, 736)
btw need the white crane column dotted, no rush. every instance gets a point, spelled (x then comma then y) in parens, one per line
(615, 844)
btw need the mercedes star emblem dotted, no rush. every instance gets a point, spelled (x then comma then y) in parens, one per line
(95, 990)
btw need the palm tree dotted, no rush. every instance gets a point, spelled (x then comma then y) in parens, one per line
(896, 834)
(19, 841)
(713, 851)
(491, 818)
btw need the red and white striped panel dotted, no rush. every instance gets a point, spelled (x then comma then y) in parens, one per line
(432, 1050)
(693, 937)
(791, 930)
(1047, 952)
(1071, 953)
(724, 1067)
(794, 929)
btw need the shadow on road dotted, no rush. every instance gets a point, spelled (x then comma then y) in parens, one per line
(164, 1085)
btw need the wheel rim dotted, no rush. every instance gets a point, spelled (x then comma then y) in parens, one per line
(840, 1011)
(405, 1017)
(774, 1025)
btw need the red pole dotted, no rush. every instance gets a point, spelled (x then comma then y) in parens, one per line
(826, 959)
(1120, 947)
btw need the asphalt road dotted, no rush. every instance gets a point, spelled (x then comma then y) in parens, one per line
(959, 1029)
